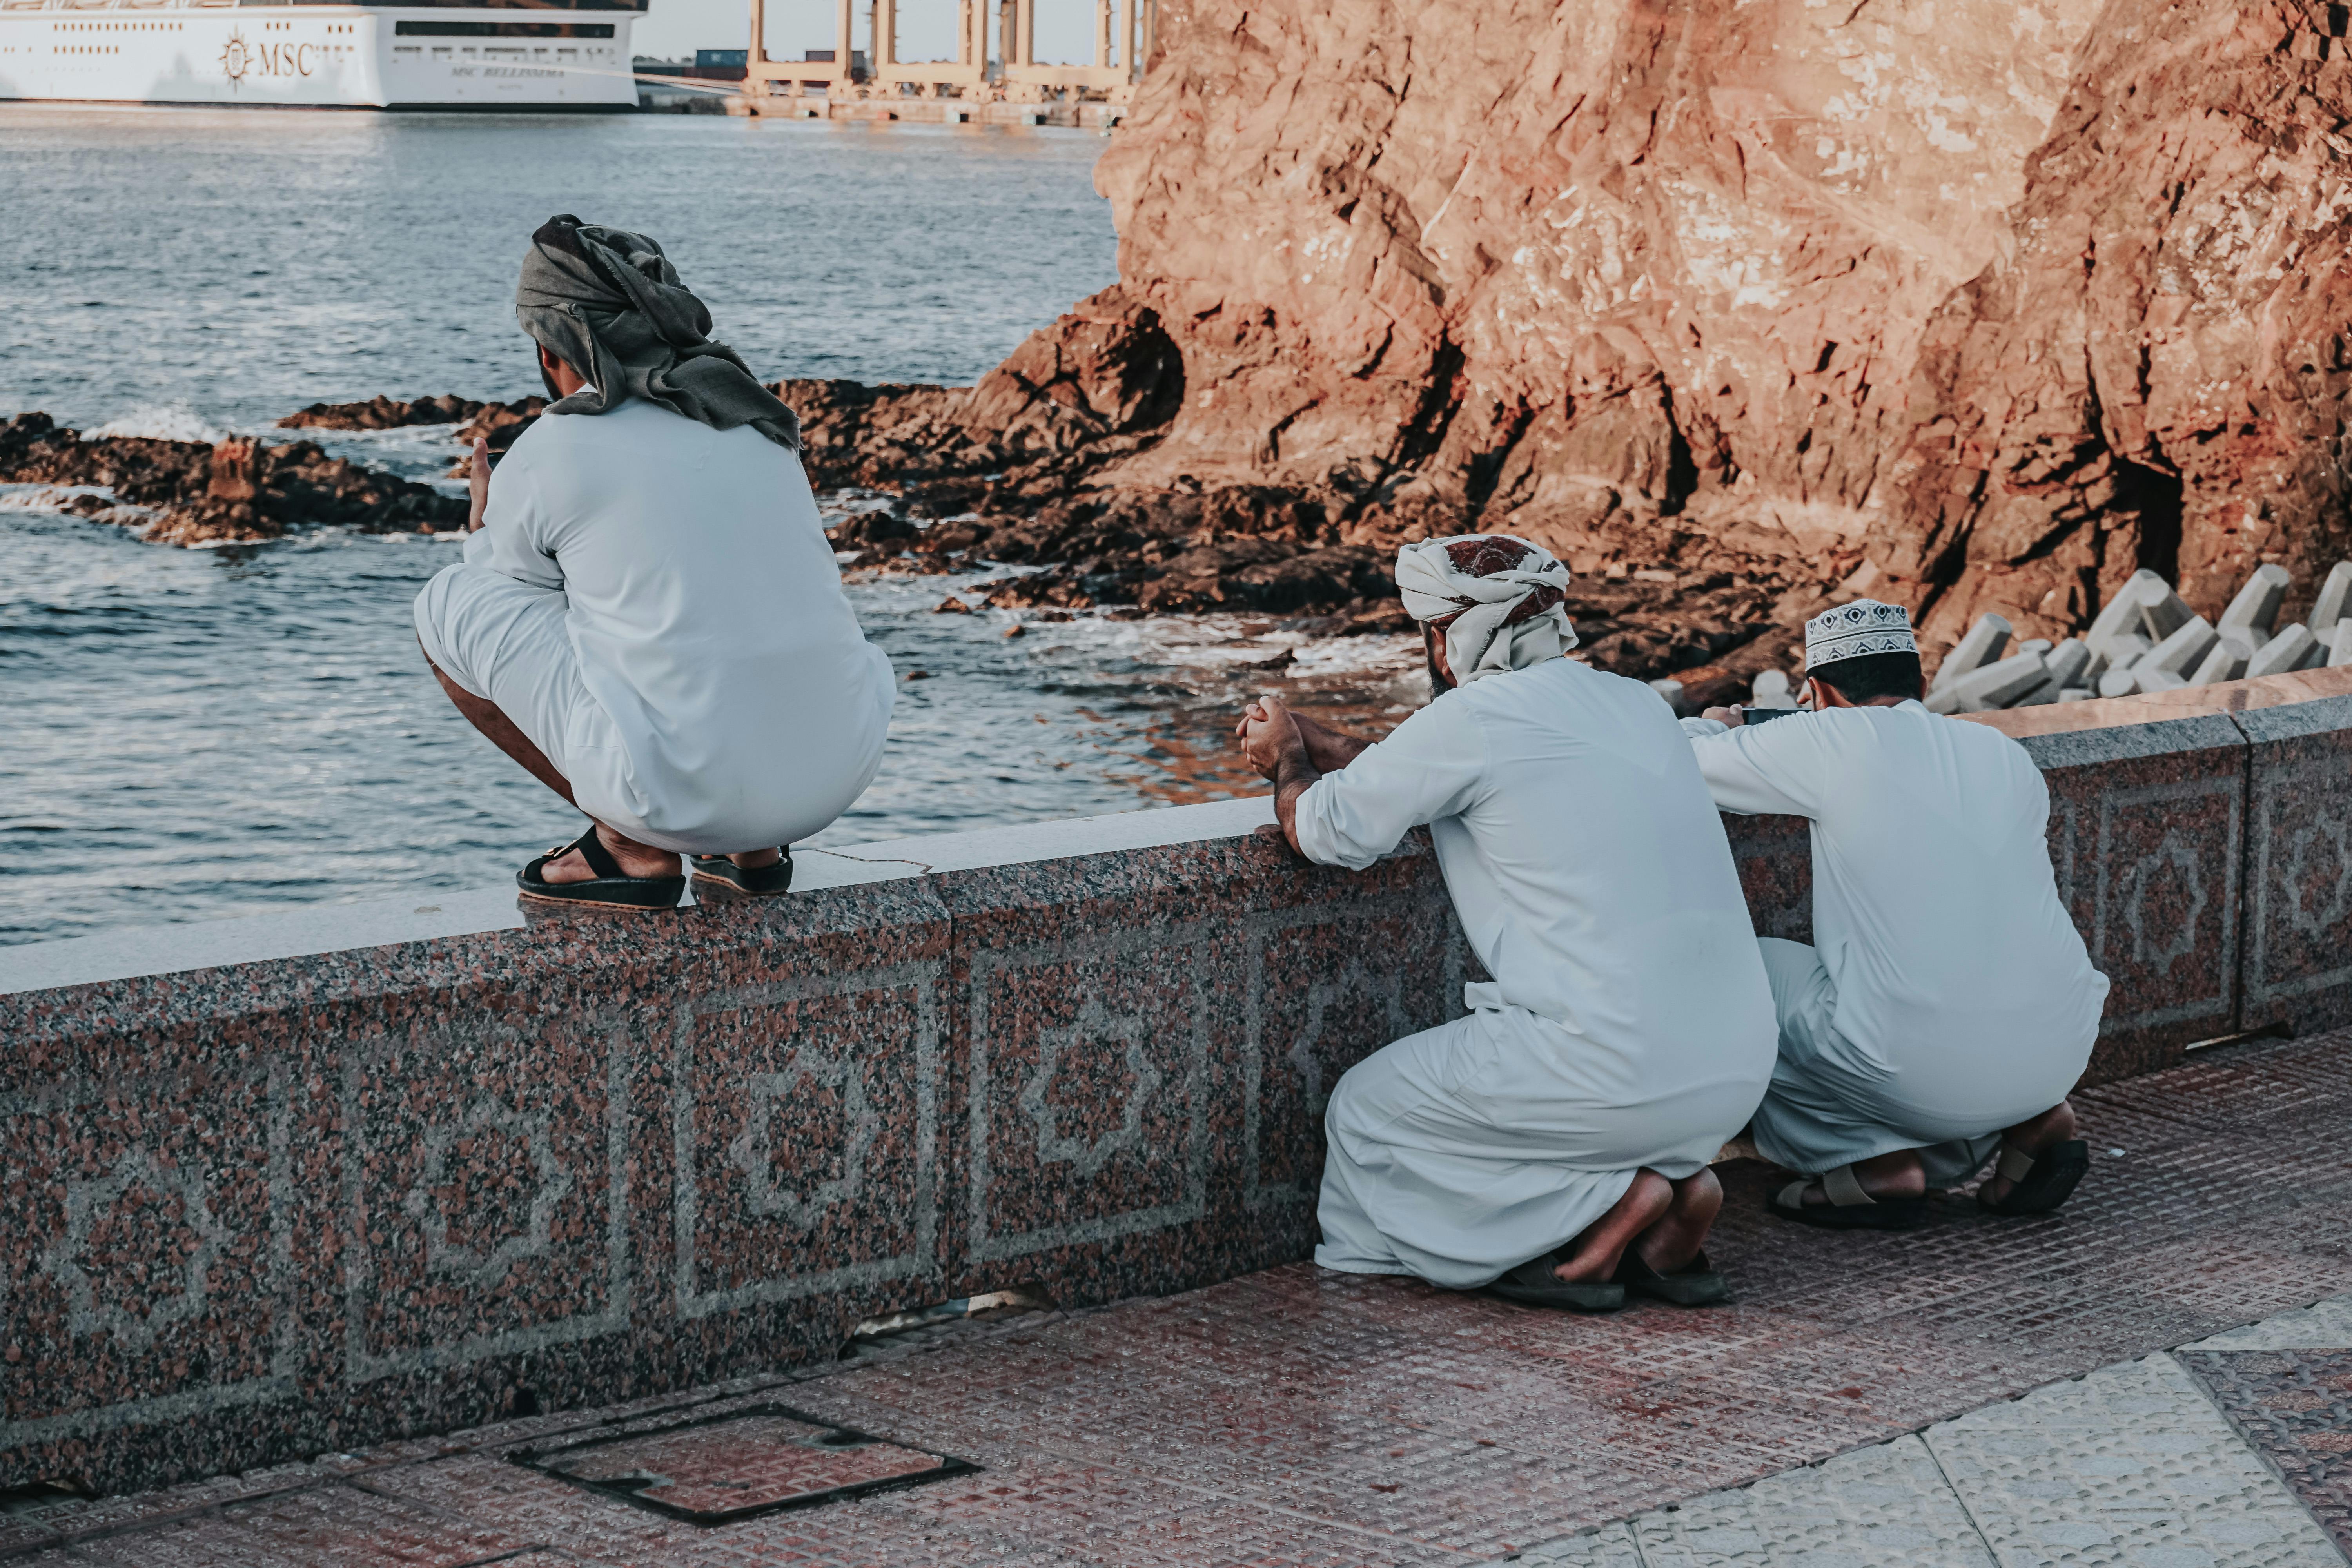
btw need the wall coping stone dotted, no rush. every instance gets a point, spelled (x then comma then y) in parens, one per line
(2266, 724)
(309, 930)
(2089, 748)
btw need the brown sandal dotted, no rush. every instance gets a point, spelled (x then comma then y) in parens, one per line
(1848, 1208)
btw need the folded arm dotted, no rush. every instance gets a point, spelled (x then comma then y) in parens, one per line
(1327, 750)
(1759, 770)
(1354, 812)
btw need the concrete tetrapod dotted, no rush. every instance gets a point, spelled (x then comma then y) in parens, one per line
(2339, 648)
(2069, 662)
(2335, 601)
(2121, 616)
(1994, 685)
(2256, 607)
(2287, 651)
(1980, 647)
(2228, 660)
(2162, 612)
(2181, 651)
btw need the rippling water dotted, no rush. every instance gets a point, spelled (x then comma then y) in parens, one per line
(186, 734)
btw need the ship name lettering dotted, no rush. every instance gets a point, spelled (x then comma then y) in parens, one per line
(286, 59)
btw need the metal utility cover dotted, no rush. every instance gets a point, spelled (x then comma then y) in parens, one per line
(716, 1469)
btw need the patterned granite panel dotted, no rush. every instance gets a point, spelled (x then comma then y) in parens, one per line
(2298, 966)
(2146, 837)
(1775, 857)
(322, 1201)
(1148, 1039)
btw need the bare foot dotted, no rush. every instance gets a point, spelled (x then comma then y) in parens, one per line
(1595, 1255)
(2055, 1125)
(635, 860)
(756, 859)
(1897, 1175)
(1672, 1244)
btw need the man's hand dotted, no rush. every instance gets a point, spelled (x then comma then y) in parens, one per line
(1272, 744)
(1270, 737)
(477, 483)
(1730, 716)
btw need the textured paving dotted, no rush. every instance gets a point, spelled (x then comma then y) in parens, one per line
(1859, 1404)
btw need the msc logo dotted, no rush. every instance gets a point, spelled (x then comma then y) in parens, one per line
(239, 59)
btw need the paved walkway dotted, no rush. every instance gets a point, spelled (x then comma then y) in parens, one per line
(1912, 1399)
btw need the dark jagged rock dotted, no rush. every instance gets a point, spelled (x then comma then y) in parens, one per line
(236, 491)
(381, 413)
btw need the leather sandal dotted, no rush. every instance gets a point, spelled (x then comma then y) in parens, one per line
(1848, 1208)
(2039, 1183)
(1696, 1284)
(609, 888)
(1533, 1284)
(716, 873)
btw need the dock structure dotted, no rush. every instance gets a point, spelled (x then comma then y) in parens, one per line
(1010, 85)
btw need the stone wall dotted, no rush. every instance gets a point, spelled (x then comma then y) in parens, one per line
(326, 1195)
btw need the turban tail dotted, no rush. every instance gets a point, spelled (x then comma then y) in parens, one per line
(609, 305)
(1507, 616)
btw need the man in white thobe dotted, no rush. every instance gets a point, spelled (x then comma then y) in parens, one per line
(1554, 1144)
(1947, 1005)
(648, 617)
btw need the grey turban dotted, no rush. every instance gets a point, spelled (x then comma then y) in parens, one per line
(609, 304)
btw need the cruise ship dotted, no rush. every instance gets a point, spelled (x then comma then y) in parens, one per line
(539, 54)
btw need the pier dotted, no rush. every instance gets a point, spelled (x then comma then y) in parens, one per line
(1009, 87)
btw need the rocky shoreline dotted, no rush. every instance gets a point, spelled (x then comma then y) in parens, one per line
(233, 491)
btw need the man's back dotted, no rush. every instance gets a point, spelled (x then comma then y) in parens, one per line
(1934, 910)
(703, 599)
(1584, 857)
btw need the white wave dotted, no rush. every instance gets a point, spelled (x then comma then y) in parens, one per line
(46, 498)
(157, 422)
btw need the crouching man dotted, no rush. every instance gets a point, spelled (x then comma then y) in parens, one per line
(1553, 1145)
(1948, 1005)
(648, 617)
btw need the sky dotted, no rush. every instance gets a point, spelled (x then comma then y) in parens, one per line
(673, 29)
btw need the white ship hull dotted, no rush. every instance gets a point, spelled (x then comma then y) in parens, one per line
(320, 57)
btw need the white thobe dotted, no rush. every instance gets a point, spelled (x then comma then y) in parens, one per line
(1628, 1022)
(655, 604)
(1947, 996)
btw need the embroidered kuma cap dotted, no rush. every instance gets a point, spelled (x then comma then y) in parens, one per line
(1851, 631)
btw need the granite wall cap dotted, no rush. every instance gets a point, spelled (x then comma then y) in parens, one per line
(2262, 725)
(2163, 737)
(313, 929)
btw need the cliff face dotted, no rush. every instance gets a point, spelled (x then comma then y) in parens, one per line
(2154, 373)
(1974, 303)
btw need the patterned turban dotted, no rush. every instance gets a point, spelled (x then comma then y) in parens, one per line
(1498, 598)
(1852, 631)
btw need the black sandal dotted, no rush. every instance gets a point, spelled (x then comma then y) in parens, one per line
(720, 875)
(610, 889)
(1533, 1284)
(1848, 1208)
(1694, 1285)
(2039, 1183)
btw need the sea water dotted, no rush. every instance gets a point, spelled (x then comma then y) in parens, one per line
(188, 734)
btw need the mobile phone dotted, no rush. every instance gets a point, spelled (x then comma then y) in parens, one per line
(1760, 715)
